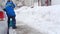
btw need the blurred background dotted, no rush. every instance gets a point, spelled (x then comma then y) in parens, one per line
(29, 3)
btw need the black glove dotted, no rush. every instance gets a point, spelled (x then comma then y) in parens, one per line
(4, 9)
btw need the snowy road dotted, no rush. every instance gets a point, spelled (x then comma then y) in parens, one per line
(21, 29)
(3, 27)
(24, 29)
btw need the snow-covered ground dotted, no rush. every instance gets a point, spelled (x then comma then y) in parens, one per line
(44, 19)
(3, 27)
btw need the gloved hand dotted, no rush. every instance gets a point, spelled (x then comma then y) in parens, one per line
(4, 9)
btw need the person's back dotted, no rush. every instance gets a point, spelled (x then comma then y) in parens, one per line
(10, 8)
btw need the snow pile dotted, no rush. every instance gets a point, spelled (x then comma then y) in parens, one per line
(44, 19)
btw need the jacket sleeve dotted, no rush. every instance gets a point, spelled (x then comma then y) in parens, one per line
(13, 5)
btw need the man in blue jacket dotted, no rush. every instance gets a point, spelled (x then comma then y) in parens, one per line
(9, 8)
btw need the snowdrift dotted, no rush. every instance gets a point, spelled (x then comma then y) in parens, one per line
(44, 19)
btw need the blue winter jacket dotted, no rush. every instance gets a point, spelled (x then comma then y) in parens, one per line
(10, 9)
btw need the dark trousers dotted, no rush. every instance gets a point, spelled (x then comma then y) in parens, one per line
(13, 22)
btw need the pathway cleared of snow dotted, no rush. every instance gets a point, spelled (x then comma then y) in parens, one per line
(24, 29)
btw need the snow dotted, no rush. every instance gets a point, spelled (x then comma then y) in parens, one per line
(12, 31)
(44, 19)
(55, 2)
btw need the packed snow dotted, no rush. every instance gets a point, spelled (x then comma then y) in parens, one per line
(44, 19)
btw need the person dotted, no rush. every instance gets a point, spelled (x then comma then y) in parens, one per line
(9, 8)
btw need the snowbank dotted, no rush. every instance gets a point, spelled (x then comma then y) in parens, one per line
(55, 2)
(44, 19)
